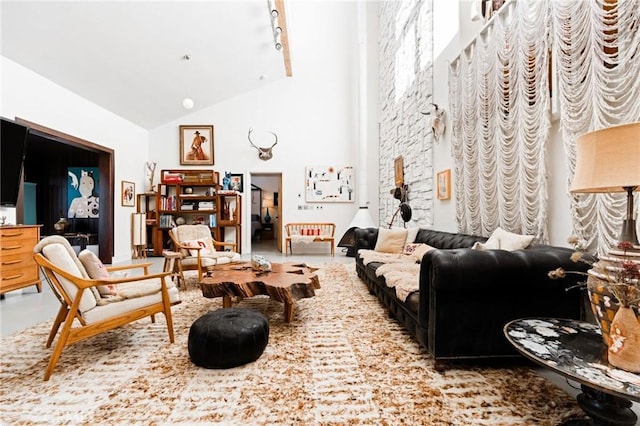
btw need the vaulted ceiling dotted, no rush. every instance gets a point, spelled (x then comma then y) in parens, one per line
(130, 56)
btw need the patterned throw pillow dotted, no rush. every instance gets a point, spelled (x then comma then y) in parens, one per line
(97, 271)
(410, 248)
(205, 243)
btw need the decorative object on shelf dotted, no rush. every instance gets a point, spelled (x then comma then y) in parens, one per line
(61, 225)
(226, 181)
(196, 145)
(188, 190)
(608, 160)
(329, 184)
(264, 153)
(236, 182)
(180, 221)
(444, 184)
(128, 194)
(151, 170)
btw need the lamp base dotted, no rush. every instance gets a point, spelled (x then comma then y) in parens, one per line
(629, 232)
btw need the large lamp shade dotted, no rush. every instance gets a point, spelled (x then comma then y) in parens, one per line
(608, 160)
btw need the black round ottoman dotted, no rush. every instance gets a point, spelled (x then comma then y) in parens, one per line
(228, 337)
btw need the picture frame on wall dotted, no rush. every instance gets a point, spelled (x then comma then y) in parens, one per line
(196, 145)
(236, 182)
(398, 168)
(128, 194)
(444, 184)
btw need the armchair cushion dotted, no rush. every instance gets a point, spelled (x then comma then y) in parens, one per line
(205, 244)
(59, 252)
(96, 270)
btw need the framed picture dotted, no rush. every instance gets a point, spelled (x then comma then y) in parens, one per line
(128, 194)
(83, 200)
(444, 184)
(196, 145)
(398, 167)
(236, 183)
(329, 184)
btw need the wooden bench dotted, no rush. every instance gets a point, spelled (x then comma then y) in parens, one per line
(309, 232)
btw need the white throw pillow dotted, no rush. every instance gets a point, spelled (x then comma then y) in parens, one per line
(489, 245)
(510, 241)
(391, 240)
(412, 233)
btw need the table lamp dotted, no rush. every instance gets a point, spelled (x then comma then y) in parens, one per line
(608, 160)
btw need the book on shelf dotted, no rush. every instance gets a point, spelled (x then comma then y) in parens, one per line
(213, 220)
(227, 192)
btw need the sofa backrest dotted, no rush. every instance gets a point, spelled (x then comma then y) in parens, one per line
(447, 240)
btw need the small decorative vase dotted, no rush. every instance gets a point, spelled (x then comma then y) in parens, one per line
(61, 225)
(267, 217)
(624, 346)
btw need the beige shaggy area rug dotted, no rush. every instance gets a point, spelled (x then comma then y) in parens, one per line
(341, 361)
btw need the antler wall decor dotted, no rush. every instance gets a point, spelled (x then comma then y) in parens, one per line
(264, 153)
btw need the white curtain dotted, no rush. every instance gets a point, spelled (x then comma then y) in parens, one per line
(500, 103)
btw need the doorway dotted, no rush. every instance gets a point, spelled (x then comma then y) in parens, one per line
(266, 212)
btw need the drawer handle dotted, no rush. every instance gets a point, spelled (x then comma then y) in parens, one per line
(12, 262)
(17, 234)
(11, 248)
(12, 277)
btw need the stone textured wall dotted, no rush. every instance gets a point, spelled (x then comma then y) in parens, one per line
(405, 91)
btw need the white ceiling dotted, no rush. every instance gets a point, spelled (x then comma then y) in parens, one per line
(127, 56)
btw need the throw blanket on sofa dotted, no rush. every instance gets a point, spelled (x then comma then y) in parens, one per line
(399, 270)
(404, 276)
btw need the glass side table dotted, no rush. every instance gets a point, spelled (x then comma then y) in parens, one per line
(574, 349)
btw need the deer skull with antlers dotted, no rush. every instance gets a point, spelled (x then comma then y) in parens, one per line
(264, 153)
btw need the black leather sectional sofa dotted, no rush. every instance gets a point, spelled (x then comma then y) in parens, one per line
(466, 296)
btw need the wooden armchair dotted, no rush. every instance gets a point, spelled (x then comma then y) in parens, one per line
(199, 249)
(85, 310)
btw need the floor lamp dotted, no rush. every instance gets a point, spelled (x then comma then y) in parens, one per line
(608, 160)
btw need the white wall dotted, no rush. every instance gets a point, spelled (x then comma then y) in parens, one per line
(30, 96)
(560, 227)
(314, 114)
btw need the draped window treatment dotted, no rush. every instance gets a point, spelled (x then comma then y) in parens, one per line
(500, 108)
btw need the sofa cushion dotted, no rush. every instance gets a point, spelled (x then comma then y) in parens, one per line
(510, 241)
(391, 240)
(489, 245)
(412, 233)
(420, 251)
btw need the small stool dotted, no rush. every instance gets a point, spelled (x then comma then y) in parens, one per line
(172, 264)
(228, 337)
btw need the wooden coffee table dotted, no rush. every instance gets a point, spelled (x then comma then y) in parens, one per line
(286, 283)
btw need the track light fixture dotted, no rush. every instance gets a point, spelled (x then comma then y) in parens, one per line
(277, 29)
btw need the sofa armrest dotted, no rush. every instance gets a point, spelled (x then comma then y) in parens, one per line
(365, 238)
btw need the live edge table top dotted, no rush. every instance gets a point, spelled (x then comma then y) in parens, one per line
(286, 283)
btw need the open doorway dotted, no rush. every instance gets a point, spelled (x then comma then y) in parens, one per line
(266, 212)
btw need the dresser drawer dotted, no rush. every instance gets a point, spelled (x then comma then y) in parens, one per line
(16, 260)
(18, 269)
(18, 277)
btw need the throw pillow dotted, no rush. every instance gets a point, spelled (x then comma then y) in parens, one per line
(97, 271)
(510, 241)
(489, 245)
(390, 240)
(412, 233)
(420, 251)
(205, 243)
(410, 248)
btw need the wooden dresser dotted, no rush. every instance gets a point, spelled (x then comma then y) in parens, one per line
(17, 267)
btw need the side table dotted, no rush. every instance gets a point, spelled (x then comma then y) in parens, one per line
(574, 349)
(172, 264)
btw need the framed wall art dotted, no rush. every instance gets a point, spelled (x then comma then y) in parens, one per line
(444, 184)
(329, 184)
(82, 192)
(236, 182)
(128, 194)
(196, 145)
(398, 168)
